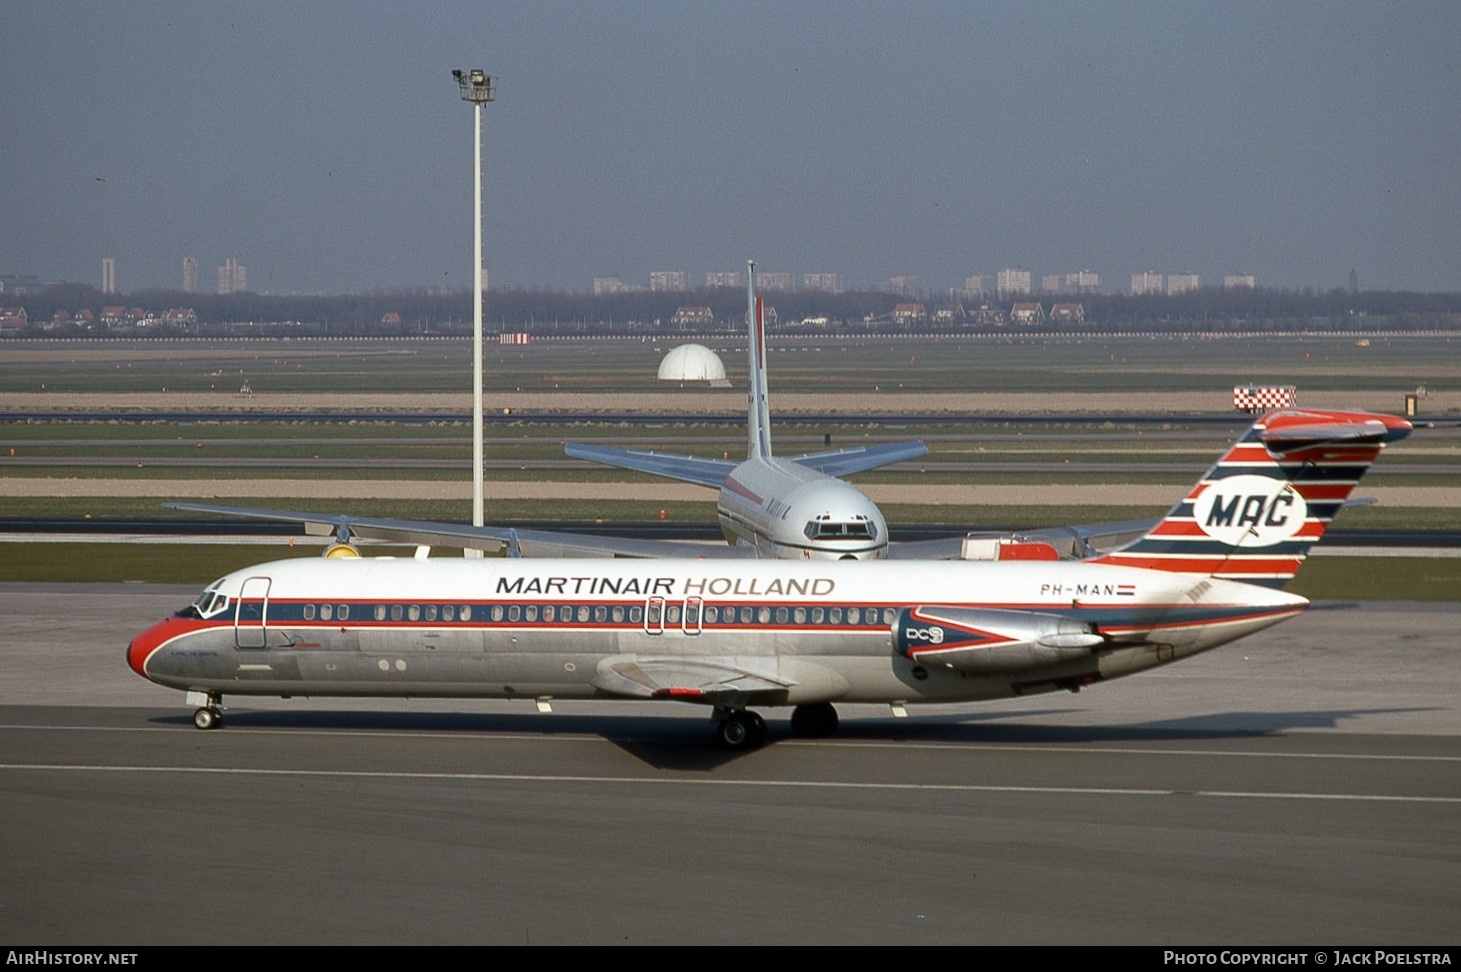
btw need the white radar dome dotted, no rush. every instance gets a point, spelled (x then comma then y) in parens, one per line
(692, 362)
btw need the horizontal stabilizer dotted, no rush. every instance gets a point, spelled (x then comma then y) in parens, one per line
(686, 469)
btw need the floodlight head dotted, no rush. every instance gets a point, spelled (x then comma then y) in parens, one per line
(475, 85)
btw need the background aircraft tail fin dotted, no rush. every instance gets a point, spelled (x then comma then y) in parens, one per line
(758, 412)
(1258, 510)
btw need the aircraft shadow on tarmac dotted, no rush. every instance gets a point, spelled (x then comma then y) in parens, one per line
(690, 743)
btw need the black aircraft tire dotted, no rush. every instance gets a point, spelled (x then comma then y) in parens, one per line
(207, 719)
(814, 721)
(742, 730)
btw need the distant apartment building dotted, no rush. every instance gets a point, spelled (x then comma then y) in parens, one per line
(725, 278)
(1147, 283)
(108, 275)
(1007, 282)
(830, 283)
(673, 281)
(904, 285)
(978, 284)
(1238, 281)
(1079, 282)
(608, 285)
(773, 280)
(190, 275)
(233, 277)
(1182, 283)
(22, 283)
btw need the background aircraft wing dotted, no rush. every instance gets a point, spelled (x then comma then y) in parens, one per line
(1070, 542)
(688, 469)
(841, 462)
(528, 543)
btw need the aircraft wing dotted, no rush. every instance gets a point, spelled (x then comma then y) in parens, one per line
(527, 543)
(707, 679)
(687, 469)
(842, 462)
(1070, 542)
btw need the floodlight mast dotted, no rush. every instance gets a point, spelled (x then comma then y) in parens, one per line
(477, 87)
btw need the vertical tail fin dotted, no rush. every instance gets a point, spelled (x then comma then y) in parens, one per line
(1256, 513)
(758, 417)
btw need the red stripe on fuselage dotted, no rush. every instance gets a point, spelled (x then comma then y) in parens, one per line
(170, 629)
(735, 487)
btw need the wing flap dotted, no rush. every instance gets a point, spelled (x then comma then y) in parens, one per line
(685, 679)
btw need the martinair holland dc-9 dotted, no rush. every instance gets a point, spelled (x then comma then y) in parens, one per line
(735, 635)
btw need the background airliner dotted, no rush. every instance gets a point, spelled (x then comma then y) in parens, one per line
(781, 633)
(790, 508)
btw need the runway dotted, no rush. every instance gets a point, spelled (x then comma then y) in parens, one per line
(1300, 787)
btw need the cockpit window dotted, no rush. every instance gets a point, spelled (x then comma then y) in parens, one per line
(207, 604)
(860, 528)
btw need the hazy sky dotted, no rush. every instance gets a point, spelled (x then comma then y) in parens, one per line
(325, 146)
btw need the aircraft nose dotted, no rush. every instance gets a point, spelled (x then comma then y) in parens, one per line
(142, 646)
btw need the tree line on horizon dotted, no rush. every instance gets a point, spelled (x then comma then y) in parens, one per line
(549, 311)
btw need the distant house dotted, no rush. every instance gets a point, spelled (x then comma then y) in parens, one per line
(949, 314)
(180, 316)
(986, 315)
(687, 317)
(1068, 313)
(390, 319)
(913, 313)
(1027, 313)
(115, 316)
(13, 320)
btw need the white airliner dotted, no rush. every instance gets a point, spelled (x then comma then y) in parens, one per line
(790, 508)
(733, 635)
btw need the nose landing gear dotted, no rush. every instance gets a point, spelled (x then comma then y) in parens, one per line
(209, 714)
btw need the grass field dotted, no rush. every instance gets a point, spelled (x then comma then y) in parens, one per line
(831, 370)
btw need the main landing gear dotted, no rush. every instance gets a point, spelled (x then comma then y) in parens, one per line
(209, 714)
(744, 729)
(741, 729)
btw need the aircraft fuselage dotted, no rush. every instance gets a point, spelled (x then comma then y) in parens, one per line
(724, 633)
(790, 512)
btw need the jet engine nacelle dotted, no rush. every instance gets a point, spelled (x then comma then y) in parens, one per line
(991, 640)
